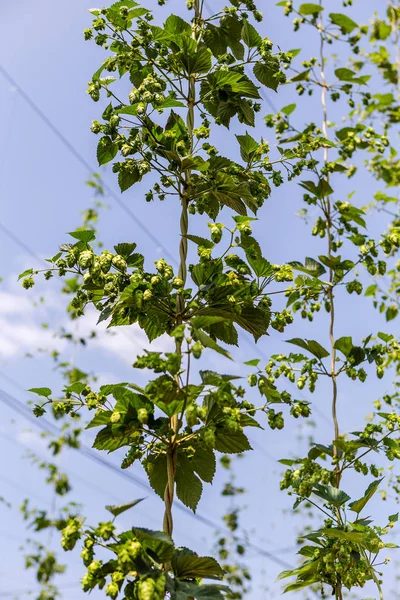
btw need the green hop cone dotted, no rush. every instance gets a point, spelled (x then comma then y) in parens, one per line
(105, 261)
(191, 415)
(95, 269)
(112, 589)
(28, 282)
(143, 415)
(209, 437)
(115, 417)
(216, 232)
(86, 258)
(119, 262)
(146, 589)
(197, 349)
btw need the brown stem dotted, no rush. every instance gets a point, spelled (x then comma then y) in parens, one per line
(172, 452)
(331, 299)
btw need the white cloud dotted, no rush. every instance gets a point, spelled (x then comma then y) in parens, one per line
(21, 330)
(18, 336)
(31, 439)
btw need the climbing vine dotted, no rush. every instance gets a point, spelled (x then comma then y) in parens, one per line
(170, 87)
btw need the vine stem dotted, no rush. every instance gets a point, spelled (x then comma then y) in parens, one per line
(330, 293)
(172, 452)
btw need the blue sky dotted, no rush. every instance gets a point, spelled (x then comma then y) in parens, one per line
(42, 192)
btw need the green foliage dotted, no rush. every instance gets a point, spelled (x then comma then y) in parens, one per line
(178, 81)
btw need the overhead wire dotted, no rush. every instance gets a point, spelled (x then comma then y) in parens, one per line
(46, 425)
(56, 131)
(150, 235)
(26, 97)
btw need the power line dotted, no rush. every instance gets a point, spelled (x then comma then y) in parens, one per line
(109, 190)
(81, 159)
(19, 242)
(45, 425)
(10, 593)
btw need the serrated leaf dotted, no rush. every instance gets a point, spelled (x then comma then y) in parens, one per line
(204, 463)
(85, 236)
(208, 342)
(261, 266)
(266, 72)
(118, 510)
(157, 544)
(125, 249)
(331, 494)
(345, 345)
(200, 241)
(188, 486)
(358, 505)
(193, 566)
(231, 443)
(312, 346)
(106, 150)
(102, 417)
(250, 35)
(127, 178)
(156, 469)
(186, 590)
(248, 146)
(45, 392)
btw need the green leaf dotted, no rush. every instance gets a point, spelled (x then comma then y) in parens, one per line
(250, 35)
(331, 494)
(118, 510)
(248, 146)
(102, 417)
(188, 486)
(204, 463)
(252, 363)
(312, 346)
(358, 505)
(346, 24)
(171, 103)
(345, 74)
(106, 150)
(260, 266)
(83, 236)
(310, 9)
(193, 566)
(111, 438)
(231, 443)
(186, 590)
(344, 345)
(157, 544)
(25, 274)
(208, 342)
(156, 469)
(125, 249)
(266, 72)
(200, 241)
(176, 25)
(351, 536)
(385, 337)
(127, 178)
(287, 110)
(42, 391)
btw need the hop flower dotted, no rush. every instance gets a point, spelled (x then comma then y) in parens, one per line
(86, 258)
(119, 262)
